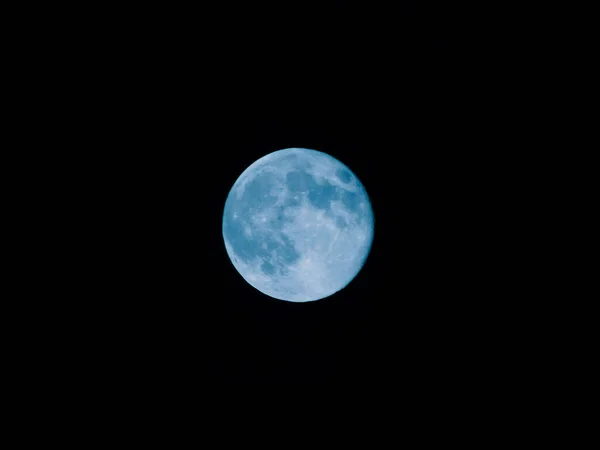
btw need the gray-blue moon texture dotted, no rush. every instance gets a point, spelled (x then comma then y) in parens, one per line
(298, 225)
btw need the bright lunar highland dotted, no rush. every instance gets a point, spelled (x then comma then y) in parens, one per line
(298, 225)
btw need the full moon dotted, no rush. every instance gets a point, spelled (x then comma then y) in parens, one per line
(298, 225)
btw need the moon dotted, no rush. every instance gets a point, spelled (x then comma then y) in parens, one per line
(298, 225)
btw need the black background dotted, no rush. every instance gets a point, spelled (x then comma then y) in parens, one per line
(171, 104)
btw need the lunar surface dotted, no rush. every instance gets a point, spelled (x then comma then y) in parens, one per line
(298, 225)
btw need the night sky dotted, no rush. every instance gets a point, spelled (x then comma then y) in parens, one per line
(188, 98)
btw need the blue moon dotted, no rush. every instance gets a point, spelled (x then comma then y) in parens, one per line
(298, 225)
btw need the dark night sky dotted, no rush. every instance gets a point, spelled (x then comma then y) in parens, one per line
(187, 99)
